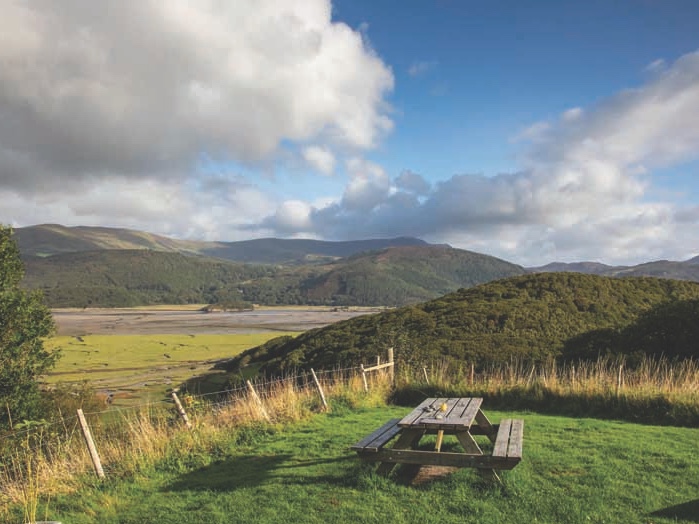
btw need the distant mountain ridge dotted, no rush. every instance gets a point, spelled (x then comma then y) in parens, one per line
(51, 239)
(687, 270)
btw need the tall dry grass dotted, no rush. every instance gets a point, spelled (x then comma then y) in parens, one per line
(56, 460)
(651, 391)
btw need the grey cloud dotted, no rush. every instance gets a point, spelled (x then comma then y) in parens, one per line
(139, 88)
(412, 182)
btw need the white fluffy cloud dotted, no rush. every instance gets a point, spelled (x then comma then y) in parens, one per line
(138, 89)
(583, 190)
(320, 159)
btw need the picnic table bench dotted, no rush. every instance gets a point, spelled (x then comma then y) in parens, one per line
(461, 417)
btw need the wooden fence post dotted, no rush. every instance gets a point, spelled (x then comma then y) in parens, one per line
(257, 400)
(618, 379)
(91, 445)
(392, 368)
(366, 385)
(181, 410)
(472, 373)
(320, 389)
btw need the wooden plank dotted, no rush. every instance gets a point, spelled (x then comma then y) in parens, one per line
(369, 443)
(471, 411)
(379, 366)
(502, 439)
(514, 449)
(432, 458)
(468, 442)
(417, 412)
(484, 427)
(409, 438)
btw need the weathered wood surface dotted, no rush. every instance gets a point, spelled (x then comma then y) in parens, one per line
(379, 366)
(379, 438)
(508, 444)
(456, 419)
(433, 458)
(459, 414)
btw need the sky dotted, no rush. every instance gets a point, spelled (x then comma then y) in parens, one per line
(540, 131)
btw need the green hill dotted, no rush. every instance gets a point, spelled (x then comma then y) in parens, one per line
(120, 278)
(395, 276)
(532, 317)
(404, 275)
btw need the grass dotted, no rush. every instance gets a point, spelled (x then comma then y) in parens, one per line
(574, 471)
(142, 367)
(236, 467)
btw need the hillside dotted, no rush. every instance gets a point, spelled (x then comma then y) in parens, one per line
(301, 251)
(394, 276)
(404, 275)
(120, 278)
(51, 239)
(534, 317)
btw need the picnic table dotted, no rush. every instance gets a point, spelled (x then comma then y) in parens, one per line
(460, 417)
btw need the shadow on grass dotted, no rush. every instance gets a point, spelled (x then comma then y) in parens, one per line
(688, 511)
(251, 471)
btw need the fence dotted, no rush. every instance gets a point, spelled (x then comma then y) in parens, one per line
(251, 400)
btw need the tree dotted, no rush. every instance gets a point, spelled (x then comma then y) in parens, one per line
(24, 322)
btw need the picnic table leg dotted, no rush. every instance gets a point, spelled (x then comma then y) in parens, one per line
(408, 439)
(472, 447)
(440, 437)
(486, 426)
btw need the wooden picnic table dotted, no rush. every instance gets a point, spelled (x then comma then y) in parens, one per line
(461, 417)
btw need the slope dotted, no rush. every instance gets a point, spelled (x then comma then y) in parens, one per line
(119, 278)
(532, 317)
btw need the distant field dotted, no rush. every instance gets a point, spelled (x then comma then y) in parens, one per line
(137, 354)
(137, 367)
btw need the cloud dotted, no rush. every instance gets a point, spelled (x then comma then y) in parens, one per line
(210, 208)
(412, 183)
(139, 88)
(320, 159)
(584, 188)
(420, 68)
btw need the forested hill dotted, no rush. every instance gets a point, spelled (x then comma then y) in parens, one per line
(394, 276)
(404, 275)
(533, 317)
(124, 278)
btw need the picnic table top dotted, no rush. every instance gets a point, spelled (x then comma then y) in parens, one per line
(451, 414)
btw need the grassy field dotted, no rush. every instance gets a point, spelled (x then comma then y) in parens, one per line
(138, 367)
(575, 470)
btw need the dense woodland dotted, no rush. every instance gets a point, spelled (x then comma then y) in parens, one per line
(531, 318)
(393, 276)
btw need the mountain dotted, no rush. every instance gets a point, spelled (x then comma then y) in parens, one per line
(688, 270)
(591, 268)
(393, 276)
(295, 251)
(51, 239)
(404, 275)
(532, 317)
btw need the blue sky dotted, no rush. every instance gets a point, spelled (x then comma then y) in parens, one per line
(533, 131)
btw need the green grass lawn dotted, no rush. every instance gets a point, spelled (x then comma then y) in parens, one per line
(573, 471)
